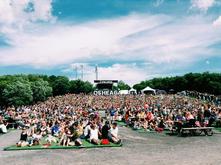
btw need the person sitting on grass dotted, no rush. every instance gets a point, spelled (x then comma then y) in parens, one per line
(55, 130)
(145, 125)
(44, 129)
(51, 139)
(75, 135)
(65, 137)
(80, 128)
(87, 129)
(160, 126)
(36, 138)
(3, 128)
(114, 134)
(105, 131)
(23, 138)
(94, 133)
(137, 125)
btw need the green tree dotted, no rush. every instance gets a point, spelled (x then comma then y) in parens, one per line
(41, 90)
(123, 86)
(79, 86)
(201, 82)
(3, 84)
(88, 87)
(18, 93)
(60, 85)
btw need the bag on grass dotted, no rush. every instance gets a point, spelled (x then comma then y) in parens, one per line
(105, 142)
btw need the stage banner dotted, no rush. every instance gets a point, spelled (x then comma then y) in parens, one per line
(105, 92)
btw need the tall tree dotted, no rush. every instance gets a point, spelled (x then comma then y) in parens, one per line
(79, 86)
(123, 86)
(18, 93)
(41, 90)
(60, 85)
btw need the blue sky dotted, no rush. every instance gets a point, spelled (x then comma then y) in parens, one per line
(130, 40)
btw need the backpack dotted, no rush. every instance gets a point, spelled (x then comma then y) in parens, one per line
(105, 142)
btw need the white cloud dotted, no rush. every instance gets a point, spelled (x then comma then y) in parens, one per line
(217, 22)
(202, 5)
(131, 73)
(42, 10)
(14, 14)
(165, 42)
(64, 43)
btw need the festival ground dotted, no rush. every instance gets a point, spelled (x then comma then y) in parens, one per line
(138, 148)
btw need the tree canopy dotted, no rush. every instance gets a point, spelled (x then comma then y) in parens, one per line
(201, 82)
(123, 86)
(17, 93)
(20, 90)
(28, 89)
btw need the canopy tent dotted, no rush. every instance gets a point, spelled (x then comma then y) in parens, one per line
(148, 90)
(133, 91)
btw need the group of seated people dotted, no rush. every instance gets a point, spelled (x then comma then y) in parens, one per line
(173, 111)
(65, 133)
(70, 118)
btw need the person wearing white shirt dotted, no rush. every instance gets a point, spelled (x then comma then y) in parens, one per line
(3, 128)
(87, 131)
(114, 134)
(94, 132)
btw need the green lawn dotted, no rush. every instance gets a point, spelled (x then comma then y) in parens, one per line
(121, 123)
(86, 144)
(218, 129)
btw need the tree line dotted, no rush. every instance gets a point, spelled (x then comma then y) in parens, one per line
(200, 82)
(20, 90)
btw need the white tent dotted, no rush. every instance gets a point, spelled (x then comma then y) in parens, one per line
(123, 92)
(132, 91)
(148, 90)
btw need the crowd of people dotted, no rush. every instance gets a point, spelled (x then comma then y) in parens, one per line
(68, 119)
(171, 111)
(204, 96)
(65, 120)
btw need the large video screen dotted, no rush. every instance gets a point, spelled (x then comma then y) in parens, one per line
(104, 86)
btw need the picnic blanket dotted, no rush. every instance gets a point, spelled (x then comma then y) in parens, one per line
(44, 145)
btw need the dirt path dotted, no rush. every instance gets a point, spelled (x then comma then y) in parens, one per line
(138, 148)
